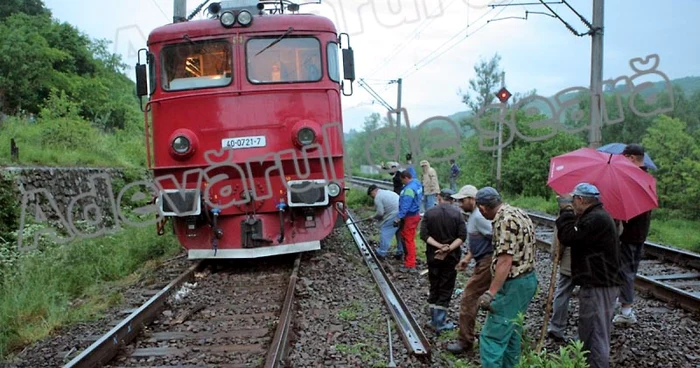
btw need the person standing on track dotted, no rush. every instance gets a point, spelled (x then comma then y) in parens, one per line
(443, 231)
(387, 205)
(634, 234)
(590, 231)
(409, 217)
(480, 235)
(560, 306)
(513, 280)
(454, 173)
(431, 185)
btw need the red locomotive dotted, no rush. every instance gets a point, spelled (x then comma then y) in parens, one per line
(245, 138)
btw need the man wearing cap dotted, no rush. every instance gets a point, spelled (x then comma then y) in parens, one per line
(634, 234)
(443, 231)
(513, 280)
(409, 217)
(585, 226)
(431, 186)
(387, 204)
(479, 233)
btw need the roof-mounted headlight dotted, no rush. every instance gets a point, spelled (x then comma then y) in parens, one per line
(245, 18)
(227, 19)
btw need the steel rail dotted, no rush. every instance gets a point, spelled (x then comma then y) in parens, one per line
(663, 252)
(659, 290)
(278, 347)
(384, 184)
(105, 348)
(411, 333)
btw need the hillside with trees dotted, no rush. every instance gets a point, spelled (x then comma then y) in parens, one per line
(64, 98)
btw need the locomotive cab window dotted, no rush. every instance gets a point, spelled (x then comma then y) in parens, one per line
(192, 65)
(289, 60)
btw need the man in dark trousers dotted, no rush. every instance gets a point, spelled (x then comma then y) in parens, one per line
(590, 231)
(442, 228)
(454, 173)
(634, 234)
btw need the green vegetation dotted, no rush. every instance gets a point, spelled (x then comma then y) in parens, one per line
(671, 139)
(64, 98)
(59, 285)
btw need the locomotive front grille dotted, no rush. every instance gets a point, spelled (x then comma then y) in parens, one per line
(307, 193)
(179, 202)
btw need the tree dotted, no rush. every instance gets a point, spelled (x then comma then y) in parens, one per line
(484, 86)
(677, 154)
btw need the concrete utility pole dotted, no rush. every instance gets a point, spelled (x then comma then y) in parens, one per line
(500, 142)
(179, 11)
(595, 133)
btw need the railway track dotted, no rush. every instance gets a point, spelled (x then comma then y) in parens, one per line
(666, 273)
(228, 317)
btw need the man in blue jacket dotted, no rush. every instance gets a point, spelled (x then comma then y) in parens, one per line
(409, 217)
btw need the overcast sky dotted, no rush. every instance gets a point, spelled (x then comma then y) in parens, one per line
(408, 39)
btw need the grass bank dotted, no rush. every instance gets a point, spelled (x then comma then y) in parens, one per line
(41, 291)
(79, 144)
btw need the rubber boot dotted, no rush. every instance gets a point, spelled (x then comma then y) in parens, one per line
(441, 318)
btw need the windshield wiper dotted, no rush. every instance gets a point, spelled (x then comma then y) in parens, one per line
(290, 30)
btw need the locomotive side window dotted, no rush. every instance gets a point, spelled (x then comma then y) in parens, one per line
(191, 65)
(274, 60)
(333, 64)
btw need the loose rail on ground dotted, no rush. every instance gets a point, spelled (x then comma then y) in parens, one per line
(411, 333)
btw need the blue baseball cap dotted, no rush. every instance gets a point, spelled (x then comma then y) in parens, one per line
(487, 196)
(586, 190)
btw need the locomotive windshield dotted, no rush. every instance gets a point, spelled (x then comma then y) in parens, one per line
(202, 64)
(295, 59)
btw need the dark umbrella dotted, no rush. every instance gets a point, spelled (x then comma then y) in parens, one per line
(617, 148)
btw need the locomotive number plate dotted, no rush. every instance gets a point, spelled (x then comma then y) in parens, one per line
(244, 142)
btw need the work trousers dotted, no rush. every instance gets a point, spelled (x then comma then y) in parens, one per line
(453, 183)
(477, 285)
(596, 307)
(442, 277)
(499, 343)
(631, 256)
(408, 233)
(560, 313)
(429, 201)
(386, 232)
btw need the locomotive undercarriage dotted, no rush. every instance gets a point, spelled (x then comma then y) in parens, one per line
(296, 225)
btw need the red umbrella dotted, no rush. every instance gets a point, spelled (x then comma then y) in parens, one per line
(625, 190)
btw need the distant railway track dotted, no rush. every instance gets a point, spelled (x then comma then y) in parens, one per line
(666, 273)
(234, 318)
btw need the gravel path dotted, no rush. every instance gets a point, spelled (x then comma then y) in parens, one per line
(664, 336)
(66, 343)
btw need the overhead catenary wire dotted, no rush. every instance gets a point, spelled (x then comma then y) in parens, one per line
(432, 56)
(430, 17)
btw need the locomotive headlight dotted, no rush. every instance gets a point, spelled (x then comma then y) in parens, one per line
(227, 19)
(244, 18)
(333, 189)
(181, 144)
(306, 136)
